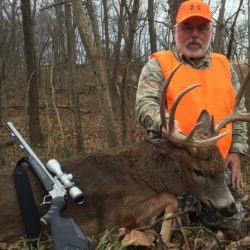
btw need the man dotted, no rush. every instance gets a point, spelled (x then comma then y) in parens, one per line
(192, 34)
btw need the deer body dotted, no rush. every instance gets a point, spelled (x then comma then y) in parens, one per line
(136, 180)
(119, 182)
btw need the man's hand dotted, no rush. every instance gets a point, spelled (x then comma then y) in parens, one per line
(233, 162)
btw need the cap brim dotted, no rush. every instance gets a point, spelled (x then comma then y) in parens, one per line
(184, 18)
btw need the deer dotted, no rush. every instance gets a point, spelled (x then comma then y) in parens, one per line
(141, 179)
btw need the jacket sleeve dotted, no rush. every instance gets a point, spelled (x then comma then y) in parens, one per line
(147, 107)
(239, 140)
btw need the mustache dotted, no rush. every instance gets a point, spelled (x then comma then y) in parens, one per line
(196, 42)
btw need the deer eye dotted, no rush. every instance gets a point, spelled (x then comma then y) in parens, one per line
(197, 172)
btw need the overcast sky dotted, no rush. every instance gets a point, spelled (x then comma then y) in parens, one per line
(231, 7)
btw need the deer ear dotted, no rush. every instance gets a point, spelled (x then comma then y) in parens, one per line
(205, 121)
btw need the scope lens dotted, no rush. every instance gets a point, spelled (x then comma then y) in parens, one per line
(77, 195)
(79, 199)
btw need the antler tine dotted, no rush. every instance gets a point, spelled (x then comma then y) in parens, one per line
(163, 105)
(236, 115)
(183, 140)
(188, 140)
(202, 143)
(171, 118)
(241, 89)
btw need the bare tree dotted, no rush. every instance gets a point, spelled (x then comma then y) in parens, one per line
(35, 132)
(71, 61)
(106, 54)
(2, 65)
(106, 29)
(173, 9)
(59, 33)
(59, 40)
(218, 38)
(248, 32)
(128, 50)
(247, 93)
(231, 39)
(98, 64)
(117, 47)
(152, 32)
(107, 51)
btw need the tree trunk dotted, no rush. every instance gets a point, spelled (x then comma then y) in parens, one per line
(248, 32)
(219, 33)
(94, 23)
(59, 37)
(231, 40)
(107, 51)
(247, 94)
(71, 61)
(106, 29)
(97, 61)
(35, 132)
(1, 81)
(152, 33)
(117, 48)
(2, 67)
(129, 51)
(173, 9)
(14, 42)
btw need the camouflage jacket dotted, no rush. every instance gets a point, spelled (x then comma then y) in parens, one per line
(148, 98)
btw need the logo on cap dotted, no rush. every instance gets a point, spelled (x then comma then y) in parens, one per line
(193, 7)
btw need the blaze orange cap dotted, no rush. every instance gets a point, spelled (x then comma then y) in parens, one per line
(193, 8)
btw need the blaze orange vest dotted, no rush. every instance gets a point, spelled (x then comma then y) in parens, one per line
(216, 94)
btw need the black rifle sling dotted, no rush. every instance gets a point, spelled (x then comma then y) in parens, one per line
(30, 215)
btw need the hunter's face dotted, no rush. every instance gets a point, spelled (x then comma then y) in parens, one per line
(193, 36)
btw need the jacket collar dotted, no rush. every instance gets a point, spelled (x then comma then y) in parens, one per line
(201, 63)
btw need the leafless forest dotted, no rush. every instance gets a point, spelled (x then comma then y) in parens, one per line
(69, 68)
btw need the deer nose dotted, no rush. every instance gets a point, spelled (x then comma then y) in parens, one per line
(228, 211)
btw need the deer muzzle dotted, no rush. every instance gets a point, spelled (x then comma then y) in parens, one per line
(228, 211)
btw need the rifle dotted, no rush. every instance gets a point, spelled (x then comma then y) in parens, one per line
(65, 232)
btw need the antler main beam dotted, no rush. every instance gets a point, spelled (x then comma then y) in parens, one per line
(236, 115)
(163, 105)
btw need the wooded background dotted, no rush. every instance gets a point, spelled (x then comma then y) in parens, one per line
(69, 69)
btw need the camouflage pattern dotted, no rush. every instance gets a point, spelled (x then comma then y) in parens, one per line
(208, 216)
(212, 219)
(148, 114)
(148, 98)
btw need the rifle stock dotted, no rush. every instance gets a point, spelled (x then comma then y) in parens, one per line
(65, 232)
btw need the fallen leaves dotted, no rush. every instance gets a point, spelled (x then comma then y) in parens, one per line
(243, 243)
(138, 238)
